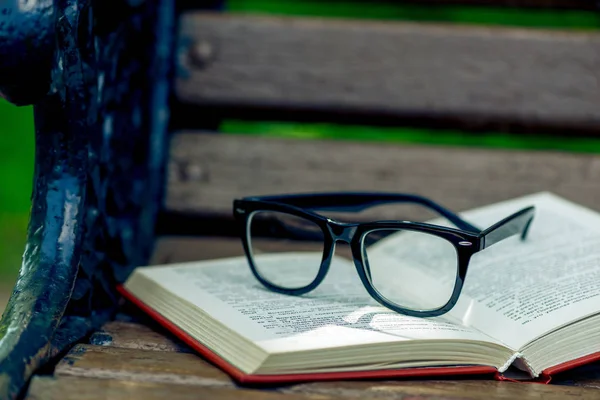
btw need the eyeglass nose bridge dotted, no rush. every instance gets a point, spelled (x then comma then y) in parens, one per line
(341, 232)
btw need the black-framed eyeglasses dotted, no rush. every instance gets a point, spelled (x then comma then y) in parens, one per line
(413, 268)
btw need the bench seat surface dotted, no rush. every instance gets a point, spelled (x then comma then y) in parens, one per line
(133, 358)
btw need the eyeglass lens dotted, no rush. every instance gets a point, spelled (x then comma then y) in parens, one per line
(287, 233)
(410, 269)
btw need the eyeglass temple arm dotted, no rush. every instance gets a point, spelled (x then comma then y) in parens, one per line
(517, 223)
(356, 202)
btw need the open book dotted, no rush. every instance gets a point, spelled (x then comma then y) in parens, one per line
(533, 305)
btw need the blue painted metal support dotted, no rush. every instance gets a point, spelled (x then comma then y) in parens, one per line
(98, 74)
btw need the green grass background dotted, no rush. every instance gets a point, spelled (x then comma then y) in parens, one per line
(16, 174)
(16, 127)
(388, 10)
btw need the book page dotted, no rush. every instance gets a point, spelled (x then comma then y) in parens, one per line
(516, 291)
(339, 312)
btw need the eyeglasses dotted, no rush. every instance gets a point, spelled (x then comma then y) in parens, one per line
(413, 268)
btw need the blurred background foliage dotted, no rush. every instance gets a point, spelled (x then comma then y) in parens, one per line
(17, 138)
(16, 177)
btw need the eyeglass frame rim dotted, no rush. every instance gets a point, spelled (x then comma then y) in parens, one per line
(466, 244)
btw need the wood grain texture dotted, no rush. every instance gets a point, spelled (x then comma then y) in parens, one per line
(77, 388)
(164, 369)
(131, 335)
(207, 172)
(167, 367)
(476, 77)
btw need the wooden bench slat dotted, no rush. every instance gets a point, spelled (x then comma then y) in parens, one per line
(472, 77)
(131, 335)
(78, 388)
(208, 171)
(165, 368)
(108, 362)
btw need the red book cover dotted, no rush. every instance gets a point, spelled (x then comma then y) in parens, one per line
(428, 372)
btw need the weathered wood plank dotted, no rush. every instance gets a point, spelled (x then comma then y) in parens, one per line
(171, 368)
(207, 172)
(131, 335)
(473, 77)
(140, 365)
(77, 388)
(585, 376)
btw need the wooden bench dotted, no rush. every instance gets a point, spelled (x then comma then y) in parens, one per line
(112, 127)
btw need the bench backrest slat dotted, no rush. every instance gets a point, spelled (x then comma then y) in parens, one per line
(471, 77)
(207, 171)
